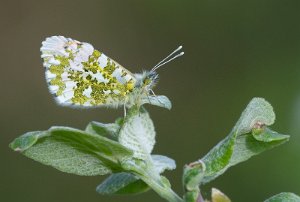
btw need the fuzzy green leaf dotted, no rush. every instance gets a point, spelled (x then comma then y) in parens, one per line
(285, 196)
(162, 163)
(249, 137)
(73, 151)
(122, 183)
(159, 100)
(247, 146)
(137, 133)
(267, 135)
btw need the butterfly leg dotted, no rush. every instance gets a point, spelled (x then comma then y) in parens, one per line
(124, 106)
(148, 98)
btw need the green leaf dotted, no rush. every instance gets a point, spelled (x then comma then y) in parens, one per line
(162, 163)
(267, 135)
(158, 100)
(122, 183)
(137, 133)
(73, 151)
(285, 196)
(249, 137)
(247, 146)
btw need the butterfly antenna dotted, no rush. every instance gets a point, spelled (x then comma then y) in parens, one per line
(169, 58)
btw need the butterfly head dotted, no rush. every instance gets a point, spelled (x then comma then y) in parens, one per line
(150, 80)
(147, 80)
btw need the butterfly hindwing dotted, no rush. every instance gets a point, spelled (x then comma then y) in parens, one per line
(79, 75)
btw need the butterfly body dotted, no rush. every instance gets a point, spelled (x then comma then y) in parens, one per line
(79, 75)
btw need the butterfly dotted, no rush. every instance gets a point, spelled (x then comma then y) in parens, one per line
(80, 76)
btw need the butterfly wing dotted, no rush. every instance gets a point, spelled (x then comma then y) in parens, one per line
(79, 75)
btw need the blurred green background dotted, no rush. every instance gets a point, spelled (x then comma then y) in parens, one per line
(235, 50)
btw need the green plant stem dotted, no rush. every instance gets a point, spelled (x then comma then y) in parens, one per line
(161, 188)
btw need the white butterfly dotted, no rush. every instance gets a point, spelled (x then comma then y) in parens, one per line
(79, 75)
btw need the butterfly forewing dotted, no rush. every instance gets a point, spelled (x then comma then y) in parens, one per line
(79, 75)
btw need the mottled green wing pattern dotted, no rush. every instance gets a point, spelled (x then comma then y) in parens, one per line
(79, 75)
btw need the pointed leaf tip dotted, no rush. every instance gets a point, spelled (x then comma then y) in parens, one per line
(268, 135)
(27, 140)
